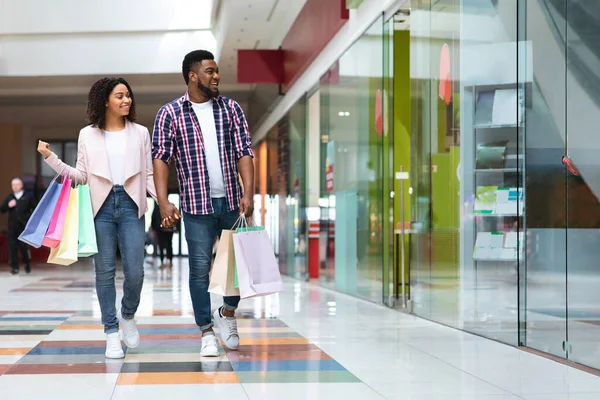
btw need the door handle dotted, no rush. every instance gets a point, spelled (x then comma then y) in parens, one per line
(566, 160)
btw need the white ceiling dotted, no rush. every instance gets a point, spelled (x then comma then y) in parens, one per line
(48, 101)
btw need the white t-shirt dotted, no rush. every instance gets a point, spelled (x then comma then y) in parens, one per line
(206, 118)
(115, 147)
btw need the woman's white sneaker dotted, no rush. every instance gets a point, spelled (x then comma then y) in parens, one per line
(209, 346)
(113, 346)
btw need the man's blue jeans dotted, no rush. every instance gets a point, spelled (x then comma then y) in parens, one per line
(117, 224)
(200, 233)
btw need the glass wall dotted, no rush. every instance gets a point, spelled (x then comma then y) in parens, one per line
(457, 139)
(351, 198)
(281, 183)
(504, 177)
(465, 150)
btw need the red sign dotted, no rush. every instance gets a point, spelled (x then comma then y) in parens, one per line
(378, 113)
(329, 179)
(445, 90)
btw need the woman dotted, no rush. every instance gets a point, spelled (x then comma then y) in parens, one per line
(114, 160)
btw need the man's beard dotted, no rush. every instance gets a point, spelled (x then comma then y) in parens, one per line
(207, 92)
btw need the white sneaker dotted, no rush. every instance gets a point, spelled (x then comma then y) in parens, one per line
(113, 346)
(228, 331)
(209, 346)
(131, 336)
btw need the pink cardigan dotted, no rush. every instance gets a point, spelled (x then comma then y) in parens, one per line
(93, 167)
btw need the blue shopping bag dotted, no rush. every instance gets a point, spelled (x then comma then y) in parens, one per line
(36, 227)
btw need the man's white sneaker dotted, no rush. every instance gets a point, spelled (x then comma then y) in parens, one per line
(113, 346)
(131, 336)
(228, 331)
(209, 346)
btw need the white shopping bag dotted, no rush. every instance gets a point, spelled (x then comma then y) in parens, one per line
(257, 268)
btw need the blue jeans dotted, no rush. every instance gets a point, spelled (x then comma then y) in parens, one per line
(117, 224)
(200, 234)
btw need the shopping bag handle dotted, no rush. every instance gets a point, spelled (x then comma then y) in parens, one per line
(60, 173)
(238, 223)
(77, 176)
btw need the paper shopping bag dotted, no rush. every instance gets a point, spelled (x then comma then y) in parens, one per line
(66, 252)
(257, 268)
(222, 274)
(87, 231)
(55, 229)
(38, 223)
(245, 228)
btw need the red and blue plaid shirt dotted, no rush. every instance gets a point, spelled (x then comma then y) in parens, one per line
(177, 134)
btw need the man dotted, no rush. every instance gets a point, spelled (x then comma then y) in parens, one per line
(19, 206)
(208, 135)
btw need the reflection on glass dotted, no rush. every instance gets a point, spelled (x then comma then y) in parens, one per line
(351, 169)
(466, 141)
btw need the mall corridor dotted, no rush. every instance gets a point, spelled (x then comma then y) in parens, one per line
(304, 343)
(420, 180)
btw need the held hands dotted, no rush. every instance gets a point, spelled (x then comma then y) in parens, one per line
(12, 203)
(44, 149)
(247, 207)
(169, 215)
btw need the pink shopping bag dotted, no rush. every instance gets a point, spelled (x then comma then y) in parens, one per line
(55, 229)
(257, 268)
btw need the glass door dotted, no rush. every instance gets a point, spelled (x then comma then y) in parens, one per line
(582, 170)
(545, 271)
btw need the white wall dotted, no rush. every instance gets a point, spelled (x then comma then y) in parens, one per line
(76, 16)
(99, 54)
(68, 37)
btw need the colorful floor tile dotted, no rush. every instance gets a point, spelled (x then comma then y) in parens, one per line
(169, 353)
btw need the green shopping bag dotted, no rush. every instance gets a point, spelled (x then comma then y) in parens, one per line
(87, 230)
(245, 228)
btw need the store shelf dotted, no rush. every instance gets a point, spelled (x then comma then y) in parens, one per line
(496, 215)
(485, 126)
(497, 170)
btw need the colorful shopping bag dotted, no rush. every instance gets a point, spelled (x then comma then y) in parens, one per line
(66, 252)
(257, 268)
(87, 231)
(222, 273)
(236, 283)
(55, 229)
(38, 223)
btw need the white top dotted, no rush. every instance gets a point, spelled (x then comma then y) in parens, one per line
(18, 195)
(115, 147)
(206, 118)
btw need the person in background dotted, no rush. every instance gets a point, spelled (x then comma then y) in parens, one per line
(19, 205)
(207, 134)
(164, 237)
(114, 160)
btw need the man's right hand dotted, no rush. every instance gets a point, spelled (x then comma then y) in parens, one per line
(12, 203)
(169, 215)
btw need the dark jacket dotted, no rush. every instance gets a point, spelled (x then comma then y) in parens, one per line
(18, 215)
(156, 221)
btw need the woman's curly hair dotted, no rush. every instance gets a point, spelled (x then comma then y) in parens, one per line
(97, 98)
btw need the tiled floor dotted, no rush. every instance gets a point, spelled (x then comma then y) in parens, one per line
(304, 343)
